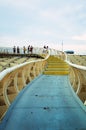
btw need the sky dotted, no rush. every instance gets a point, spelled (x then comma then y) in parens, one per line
(54, 23)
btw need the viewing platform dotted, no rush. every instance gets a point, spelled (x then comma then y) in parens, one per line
(19, 55)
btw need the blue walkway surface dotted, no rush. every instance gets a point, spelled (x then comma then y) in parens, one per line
(47, 103)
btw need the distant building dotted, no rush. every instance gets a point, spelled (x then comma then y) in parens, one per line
(69, 52)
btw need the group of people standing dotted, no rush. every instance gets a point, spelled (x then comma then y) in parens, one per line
(28, 50)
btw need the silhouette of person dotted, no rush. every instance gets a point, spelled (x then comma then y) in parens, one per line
(14, 49)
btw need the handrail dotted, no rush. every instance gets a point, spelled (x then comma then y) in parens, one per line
(79, 84)
(74, 65)
(8, 70)
(81, 71)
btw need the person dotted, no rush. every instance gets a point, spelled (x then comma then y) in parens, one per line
(47, 49)
(28, 49)
(44, 49)
(18, 50)
(14, 49)
(31, 49)
(24, 49)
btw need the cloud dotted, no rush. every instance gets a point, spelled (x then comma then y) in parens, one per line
(20, 4)
(41, 21)
(66, 19)
(79, 37)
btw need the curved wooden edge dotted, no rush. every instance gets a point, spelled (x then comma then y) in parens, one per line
(79, 77)
(14, 79)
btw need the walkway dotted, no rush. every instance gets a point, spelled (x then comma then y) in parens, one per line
(47, 103)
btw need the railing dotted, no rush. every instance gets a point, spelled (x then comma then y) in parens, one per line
(14, 79)
(9, 50)
(78, 79)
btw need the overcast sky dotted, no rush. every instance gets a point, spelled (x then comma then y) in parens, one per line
(43, 22)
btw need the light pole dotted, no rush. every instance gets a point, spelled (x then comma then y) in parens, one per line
(62, 46)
